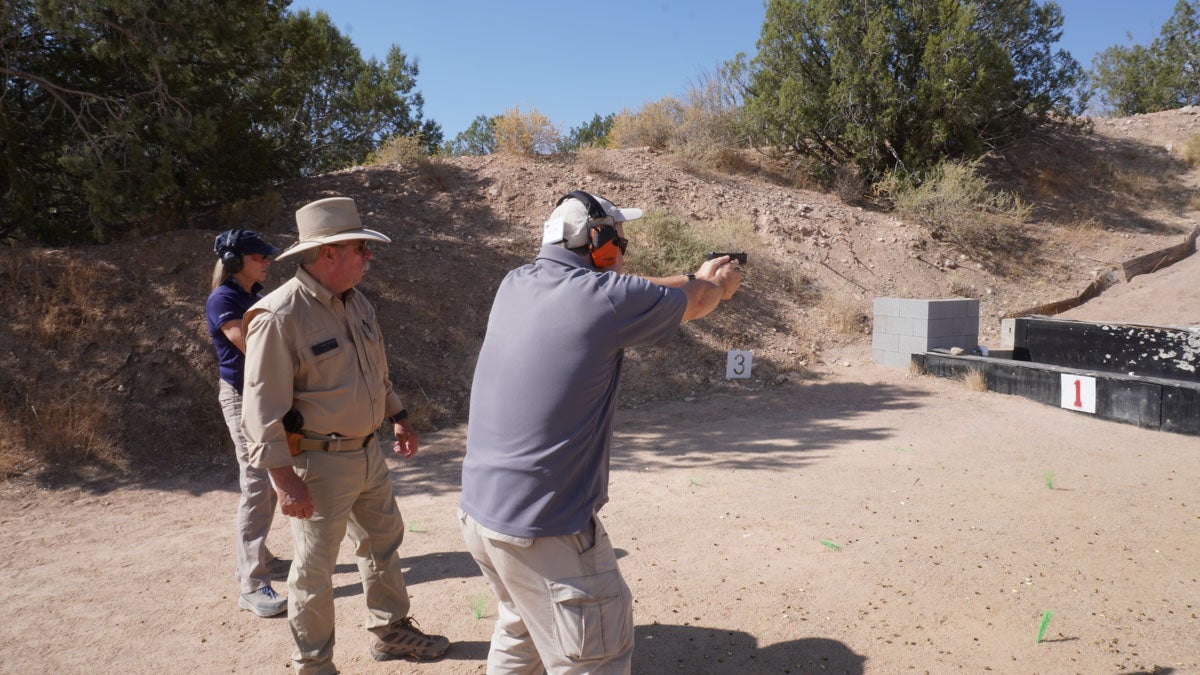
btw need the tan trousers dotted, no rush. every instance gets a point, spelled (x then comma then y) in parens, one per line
(256, 506)
(563, 606)
(350, 490)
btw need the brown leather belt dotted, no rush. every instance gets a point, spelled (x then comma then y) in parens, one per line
(335, 443)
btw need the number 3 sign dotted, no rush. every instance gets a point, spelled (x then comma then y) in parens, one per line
(1078, 392)
(738, 364)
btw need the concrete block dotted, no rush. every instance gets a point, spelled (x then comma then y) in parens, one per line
(913, 345)
(878, 356)
(897, 360)
(953, 309)
(1012, 333)
(939, 328)
(914, 309)
(887, 341)
(887, 307)
(966, 325)
(900, 325)
(948, 341)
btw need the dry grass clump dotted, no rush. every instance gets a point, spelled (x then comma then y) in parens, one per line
(1191, 150)
(61, 292)
(68, 427)
(53, 304)
(844, 313)
(974, 379)
(525, 134)
(666, 245)
(956, 204)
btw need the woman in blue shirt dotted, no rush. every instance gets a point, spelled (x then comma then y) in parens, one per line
(241, 269)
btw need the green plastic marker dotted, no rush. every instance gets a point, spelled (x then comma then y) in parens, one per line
(830, 545)
(478, 602)
(1045, 622)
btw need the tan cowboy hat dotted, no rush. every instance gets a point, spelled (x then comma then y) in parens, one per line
(329, 221)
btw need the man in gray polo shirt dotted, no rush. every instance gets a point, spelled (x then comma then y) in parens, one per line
(538, 441)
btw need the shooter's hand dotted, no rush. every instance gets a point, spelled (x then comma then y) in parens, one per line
(723, 272)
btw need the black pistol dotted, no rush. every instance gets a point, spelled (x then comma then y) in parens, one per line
(740, 257)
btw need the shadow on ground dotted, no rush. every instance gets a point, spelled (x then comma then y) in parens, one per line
(698, 650)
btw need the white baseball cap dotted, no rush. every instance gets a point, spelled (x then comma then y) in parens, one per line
(569, 220)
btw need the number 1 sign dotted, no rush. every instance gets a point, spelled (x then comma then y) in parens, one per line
(1078, 392)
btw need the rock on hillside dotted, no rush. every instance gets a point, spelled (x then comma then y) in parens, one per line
(108, 370)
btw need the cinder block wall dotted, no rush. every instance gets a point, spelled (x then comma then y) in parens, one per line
(905, 327)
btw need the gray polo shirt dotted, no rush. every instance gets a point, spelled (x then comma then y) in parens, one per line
(545, 390)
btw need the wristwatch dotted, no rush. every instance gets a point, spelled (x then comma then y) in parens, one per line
(399, 417)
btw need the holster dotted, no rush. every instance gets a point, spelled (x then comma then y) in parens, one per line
(293, 441)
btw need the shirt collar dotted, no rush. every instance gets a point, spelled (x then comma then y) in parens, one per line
(232, 282)
(558, 254)
(317, 290)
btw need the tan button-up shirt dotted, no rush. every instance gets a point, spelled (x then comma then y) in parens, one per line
(320, 353)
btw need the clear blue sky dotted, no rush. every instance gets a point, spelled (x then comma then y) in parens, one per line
(572, 60)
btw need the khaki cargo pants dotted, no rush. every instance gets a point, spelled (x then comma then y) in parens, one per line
(350, 490)
(563, 605)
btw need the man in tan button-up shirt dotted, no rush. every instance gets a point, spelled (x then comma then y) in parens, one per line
(314, 347)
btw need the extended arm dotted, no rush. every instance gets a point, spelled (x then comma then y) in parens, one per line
(716, 280)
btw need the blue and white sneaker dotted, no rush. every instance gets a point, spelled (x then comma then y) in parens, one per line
(263, 602)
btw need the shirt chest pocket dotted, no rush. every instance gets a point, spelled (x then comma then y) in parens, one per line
(375, 362)
(325, 351)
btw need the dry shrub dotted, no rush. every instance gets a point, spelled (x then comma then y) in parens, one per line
(665, 245)
(63, 292)
(525, 134)
(974, 379)
(410, 151)
(404, 150)
(1191, 150)
(653, 126)
(707, 136)
(593, 162)
(843, 313)
(67, 427)
(803, 287)
(915, 368)
(956, 204)
(849, 184)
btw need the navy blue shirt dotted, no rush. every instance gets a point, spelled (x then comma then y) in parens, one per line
(545, 390)
(229, 303)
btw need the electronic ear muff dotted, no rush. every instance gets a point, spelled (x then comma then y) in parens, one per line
(603, 240)
(226, 247)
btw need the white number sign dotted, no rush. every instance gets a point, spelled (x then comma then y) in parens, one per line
(1079, 392)
(738, 364)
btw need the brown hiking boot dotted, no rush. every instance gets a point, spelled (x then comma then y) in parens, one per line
(403, 639)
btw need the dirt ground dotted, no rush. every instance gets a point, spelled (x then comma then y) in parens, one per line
(865, 522)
